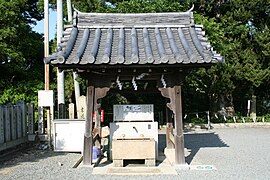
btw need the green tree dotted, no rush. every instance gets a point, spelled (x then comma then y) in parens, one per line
(241, 35)
(238, 29)
(21, 51)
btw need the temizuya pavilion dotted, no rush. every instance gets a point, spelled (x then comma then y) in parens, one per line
(108, 47)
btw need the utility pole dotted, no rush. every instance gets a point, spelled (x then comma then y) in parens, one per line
(60, 73)
(47, 71)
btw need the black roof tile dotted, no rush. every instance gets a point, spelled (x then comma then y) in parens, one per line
(128, 39)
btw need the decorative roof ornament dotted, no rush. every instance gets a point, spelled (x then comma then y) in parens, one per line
(191, 9)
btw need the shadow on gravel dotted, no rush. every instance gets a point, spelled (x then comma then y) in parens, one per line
(195, 142)
(31, 153)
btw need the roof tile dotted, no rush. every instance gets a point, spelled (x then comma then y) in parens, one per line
(127, 39)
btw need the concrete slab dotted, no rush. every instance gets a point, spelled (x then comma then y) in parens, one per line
(86, 166)
(163, 167)
(165, 164)
(133, 171)
(184, 167)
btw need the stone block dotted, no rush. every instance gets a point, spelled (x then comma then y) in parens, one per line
(118, 162)
(127, 149)
(150, 162)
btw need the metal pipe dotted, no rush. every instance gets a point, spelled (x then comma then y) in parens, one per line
(77, 90)
(59, 20)
(46, 41)
(60, 74)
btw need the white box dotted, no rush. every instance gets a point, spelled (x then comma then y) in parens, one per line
(69, 135)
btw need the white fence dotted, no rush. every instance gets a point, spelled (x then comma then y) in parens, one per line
(13, 124)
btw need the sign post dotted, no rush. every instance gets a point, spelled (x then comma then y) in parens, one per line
(46, 99)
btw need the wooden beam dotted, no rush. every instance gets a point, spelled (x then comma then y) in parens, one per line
(88, 139)
(131, 91)
(168, 93)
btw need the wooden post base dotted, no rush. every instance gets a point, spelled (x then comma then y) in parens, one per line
(87, 150)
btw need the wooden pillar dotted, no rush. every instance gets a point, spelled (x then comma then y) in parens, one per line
(179, 136)
(99, 93)
(88, 139)
(174, 94)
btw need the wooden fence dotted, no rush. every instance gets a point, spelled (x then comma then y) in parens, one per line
(16, 122)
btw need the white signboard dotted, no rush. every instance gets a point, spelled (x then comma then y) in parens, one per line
(45, 98)
(140, 112)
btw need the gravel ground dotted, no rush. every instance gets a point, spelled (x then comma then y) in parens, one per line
(237, 153)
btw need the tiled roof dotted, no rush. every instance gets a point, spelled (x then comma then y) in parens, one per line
(129, 39)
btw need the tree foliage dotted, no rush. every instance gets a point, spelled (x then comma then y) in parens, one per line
(238, 29)
(21, 50)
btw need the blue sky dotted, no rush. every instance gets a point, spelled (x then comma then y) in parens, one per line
(52, 25)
